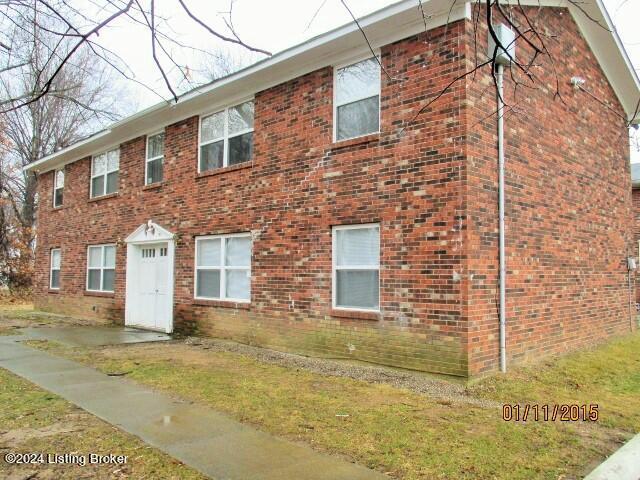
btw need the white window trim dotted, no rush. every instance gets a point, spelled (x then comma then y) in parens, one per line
(335, 267)
(107, 172)
(222, 268)
(225, 137)
(147, 159)
(51, 269)
(348, 63)
(55, 188)
(102, 268)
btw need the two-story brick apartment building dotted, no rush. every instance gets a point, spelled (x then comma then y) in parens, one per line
(635, 195)
(294, 205)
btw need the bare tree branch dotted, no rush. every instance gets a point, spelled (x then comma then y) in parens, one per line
(218, 35)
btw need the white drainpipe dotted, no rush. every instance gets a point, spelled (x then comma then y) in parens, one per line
(502, 253)
(503, 49)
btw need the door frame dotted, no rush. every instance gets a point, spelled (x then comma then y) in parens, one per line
(149, 233)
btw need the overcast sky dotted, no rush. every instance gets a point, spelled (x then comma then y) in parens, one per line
(274, 25)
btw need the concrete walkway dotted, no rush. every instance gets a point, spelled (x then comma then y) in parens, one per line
(623, 464)
(77, 336)
(208, 441)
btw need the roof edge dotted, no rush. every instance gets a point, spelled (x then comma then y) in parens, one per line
(329, 46)
(436, 11)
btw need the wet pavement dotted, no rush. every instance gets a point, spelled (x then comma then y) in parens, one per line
(202, 438)
(93, 336)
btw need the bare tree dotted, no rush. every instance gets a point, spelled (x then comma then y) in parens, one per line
(74, 30)
(79, 101)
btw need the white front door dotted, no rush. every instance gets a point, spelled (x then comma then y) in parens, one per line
(150, 299)
(149, 291)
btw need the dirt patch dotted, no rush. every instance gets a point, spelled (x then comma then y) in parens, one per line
(55, 438)
(13, 317)
(20, 435)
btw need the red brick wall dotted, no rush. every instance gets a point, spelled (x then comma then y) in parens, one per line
(432, 188)
(299, 185)
(635, 196)
(568, 205)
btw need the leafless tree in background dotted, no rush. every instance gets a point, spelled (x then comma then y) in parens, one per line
(75, 26)
(80, 100)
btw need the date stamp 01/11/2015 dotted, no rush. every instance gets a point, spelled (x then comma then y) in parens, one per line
(550, 413)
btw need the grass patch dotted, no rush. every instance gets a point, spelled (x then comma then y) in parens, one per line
(608, 375)
(396, 431)
(34, 420)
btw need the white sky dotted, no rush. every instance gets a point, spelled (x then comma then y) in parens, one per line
(274, 25)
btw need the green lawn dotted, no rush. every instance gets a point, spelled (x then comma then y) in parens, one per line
(608, 376)
(33, 420)
(399, 432)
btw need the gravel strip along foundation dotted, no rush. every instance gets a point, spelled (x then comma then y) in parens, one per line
(445, 391)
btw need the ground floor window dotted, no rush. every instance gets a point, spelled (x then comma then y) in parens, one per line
(356, 267)
(101, 268)
(54, 276)
(223, 267)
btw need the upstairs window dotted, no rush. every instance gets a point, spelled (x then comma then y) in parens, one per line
(223, 267)
(101, 268)
(58, 187)
(356, 267)
(104, 173)
(357, 99)
(155, 158)
(226, 137)
(54, 274)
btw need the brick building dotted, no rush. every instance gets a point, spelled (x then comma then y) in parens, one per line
(635, 194)
(302, 205)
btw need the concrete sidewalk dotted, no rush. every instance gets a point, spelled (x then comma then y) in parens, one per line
(208, 441)
(93, 336)
(624, 464)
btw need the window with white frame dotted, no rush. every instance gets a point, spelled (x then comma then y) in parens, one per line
(226, 137)
(101, 268)
(155, 158)
(58, 187)
(104, 173)
(54, 274)
(357, 99)
(356, 267)
(223, 267)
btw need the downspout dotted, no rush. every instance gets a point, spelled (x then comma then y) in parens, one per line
(502, 49)
(501, 248)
